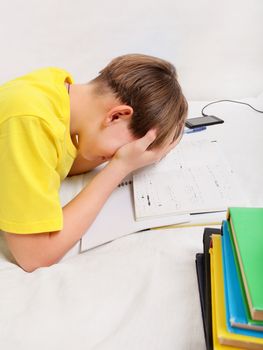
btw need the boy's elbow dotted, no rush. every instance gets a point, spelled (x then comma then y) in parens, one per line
(31, 266)
(28, 249)
(28, 267)
(34, 263)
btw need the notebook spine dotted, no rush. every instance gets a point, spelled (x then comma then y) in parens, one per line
(125, 183)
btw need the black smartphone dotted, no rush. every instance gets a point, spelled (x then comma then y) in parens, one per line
(203, 121)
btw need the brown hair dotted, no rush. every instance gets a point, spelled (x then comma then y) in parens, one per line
(149, 85)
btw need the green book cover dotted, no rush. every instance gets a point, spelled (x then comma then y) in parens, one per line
(243, 293)
(247, 230)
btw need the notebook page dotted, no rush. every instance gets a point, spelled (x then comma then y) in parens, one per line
(194, 178)
(116, 218)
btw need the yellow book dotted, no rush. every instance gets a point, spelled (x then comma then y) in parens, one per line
(222, 334)
(216, 344)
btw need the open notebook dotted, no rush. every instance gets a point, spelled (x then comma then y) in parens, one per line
(194, 178)
(116, 219)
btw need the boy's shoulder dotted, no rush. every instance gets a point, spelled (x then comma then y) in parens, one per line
(41, 93)
(47, 75)
(44, 75)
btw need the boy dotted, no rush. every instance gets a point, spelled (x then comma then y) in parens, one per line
(131, 115)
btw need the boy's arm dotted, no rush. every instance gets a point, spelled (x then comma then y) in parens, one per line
(44, 249)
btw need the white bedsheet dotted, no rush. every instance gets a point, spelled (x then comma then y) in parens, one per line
(138, 292)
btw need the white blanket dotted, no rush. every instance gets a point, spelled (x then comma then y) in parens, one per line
(138, 292)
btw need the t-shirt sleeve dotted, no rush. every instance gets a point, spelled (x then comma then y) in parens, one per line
(29, 182)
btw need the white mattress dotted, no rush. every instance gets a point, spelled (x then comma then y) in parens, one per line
(138, 292)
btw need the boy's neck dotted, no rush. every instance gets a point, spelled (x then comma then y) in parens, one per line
(78, 101)
(87, 107)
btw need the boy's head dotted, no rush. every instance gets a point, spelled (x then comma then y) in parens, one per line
(149, 86)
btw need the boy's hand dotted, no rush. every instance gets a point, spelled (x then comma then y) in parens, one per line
(136, 155)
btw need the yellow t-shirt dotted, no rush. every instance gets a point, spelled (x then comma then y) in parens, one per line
(36, 151)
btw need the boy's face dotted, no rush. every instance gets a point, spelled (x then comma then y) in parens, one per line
(103, 126)
(104, 133)
(103, 144)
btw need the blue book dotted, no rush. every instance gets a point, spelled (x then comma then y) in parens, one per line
(238, 319)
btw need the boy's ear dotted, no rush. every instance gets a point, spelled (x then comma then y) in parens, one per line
(118, 114)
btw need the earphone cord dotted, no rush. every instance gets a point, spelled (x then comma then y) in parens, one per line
(243, 103)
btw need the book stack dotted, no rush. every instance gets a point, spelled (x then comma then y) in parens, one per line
(230, 280)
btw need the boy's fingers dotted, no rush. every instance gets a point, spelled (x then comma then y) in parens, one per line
(174, 143)
(171, 146)
(166, 149)
(148, 139)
